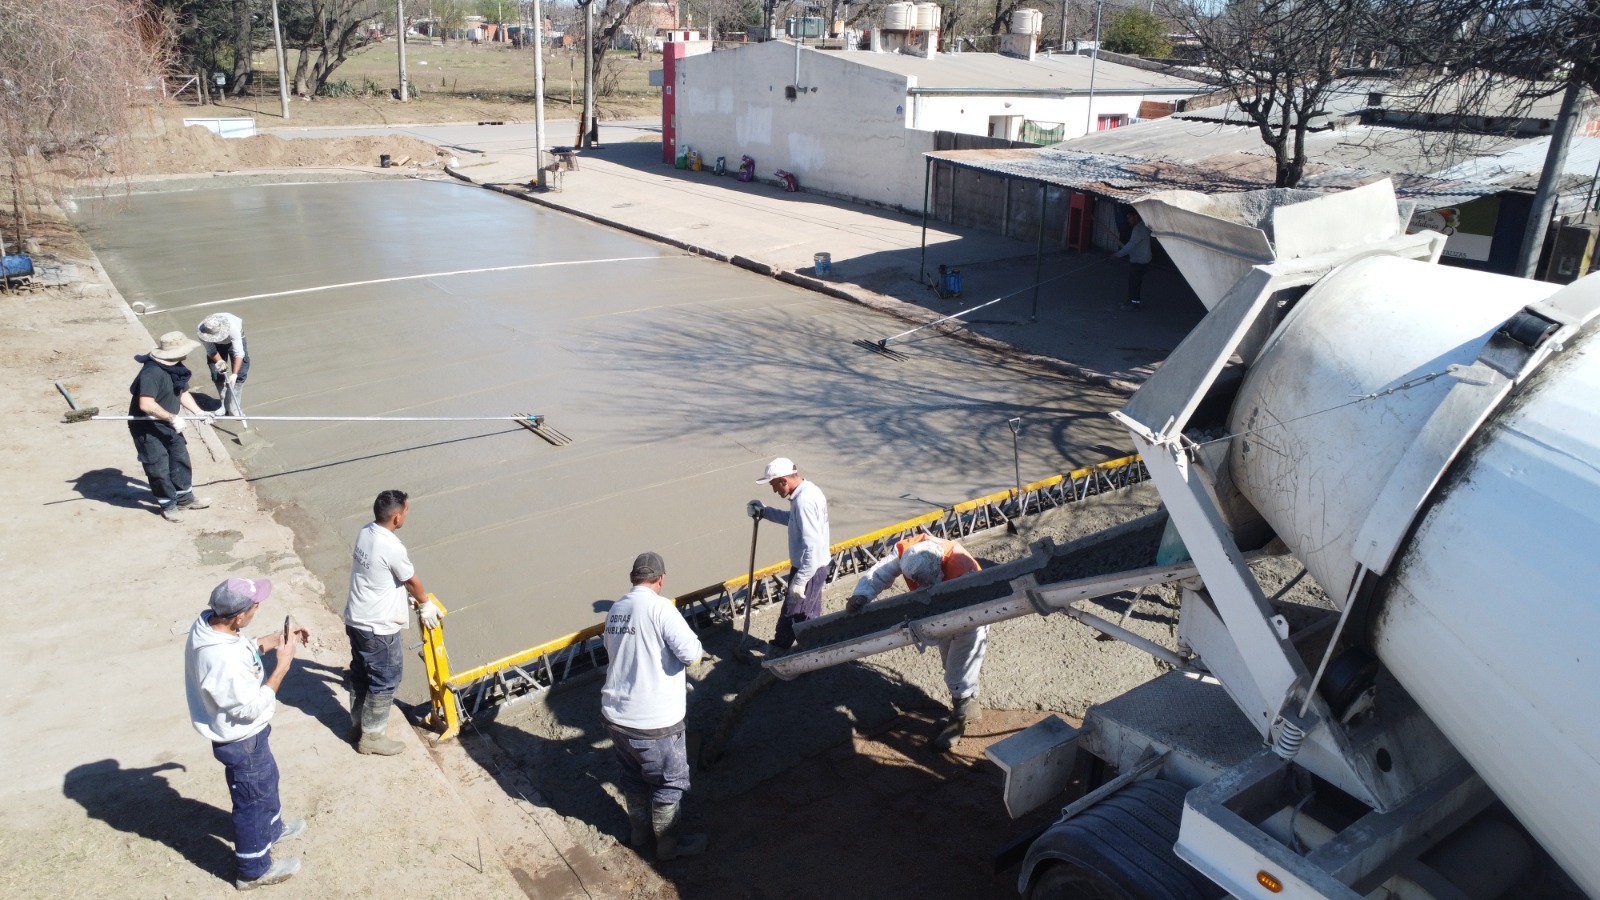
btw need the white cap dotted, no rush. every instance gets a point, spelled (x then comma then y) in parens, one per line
(782, 467)
(923, 563)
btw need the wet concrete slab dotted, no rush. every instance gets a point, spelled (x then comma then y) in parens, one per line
(676, 376)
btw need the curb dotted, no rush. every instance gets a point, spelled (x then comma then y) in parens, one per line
(891, 306)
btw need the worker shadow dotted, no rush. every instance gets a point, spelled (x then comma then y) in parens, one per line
(113, 487)
(314, 688)
(138, 801)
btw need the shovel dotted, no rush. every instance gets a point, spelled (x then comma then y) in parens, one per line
(739, 652)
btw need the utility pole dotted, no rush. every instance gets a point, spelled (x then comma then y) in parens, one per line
(283, 73)
(584, 134)
(538, 91)
(1065, 4)
(1544, 197)
(400, 20)
(1094, 63)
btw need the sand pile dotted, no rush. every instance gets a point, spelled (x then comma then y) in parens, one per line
(194, 149)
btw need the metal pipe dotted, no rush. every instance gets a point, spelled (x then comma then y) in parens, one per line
(1040, 92)
(1128, 637)
(325, 418)
(1544, 198)
(927, 188)
(1038, 252)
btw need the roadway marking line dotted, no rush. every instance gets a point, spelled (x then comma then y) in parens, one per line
(349, 284)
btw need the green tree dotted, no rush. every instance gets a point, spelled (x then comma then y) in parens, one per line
(1137, 32)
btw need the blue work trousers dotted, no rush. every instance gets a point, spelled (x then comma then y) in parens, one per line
(377, 661)
(657, 766)
(252, 776)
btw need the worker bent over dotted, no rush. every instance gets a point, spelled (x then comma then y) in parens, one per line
(223, 337)
(809, 547)
(923, 561)
(650, 646)
(231, 704)
(375, 614)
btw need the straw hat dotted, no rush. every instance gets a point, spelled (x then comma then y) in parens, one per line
(173, 347)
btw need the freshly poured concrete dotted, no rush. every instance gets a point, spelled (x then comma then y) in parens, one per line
(677, 377)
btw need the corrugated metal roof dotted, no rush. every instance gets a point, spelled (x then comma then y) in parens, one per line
(990, 71)
(1126, 178)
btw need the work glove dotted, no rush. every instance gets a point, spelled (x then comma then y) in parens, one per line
(231, 378)
(429, 614)
(220, 366)
(178, 424)
(755, 508)
(856, 604)
(210, 418)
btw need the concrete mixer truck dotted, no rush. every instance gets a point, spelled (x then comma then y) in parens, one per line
(1425, 441)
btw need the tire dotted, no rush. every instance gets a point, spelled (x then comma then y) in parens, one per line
(1120, 849)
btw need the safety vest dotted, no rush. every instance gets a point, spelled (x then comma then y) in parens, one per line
(955, 561)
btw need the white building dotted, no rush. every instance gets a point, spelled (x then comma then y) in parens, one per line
(856, 124)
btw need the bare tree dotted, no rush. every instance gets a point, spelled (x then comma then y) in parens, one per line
(1280, 61)
(68, 69)
(327, 32)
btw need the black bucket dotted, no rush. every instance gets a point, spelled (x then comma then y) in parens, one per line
(383, 160)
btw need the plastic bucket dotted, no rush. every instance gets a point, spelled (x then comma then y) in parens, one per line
(383, 160)
(823, 264)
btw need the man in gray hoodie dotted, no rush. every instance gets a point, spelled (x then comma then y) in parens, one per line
(231, 705)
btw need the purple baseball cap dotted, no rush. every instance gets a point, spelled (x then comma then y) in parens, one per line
(236, 595)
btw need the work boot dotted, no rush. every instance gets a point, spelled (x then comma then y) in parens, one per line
(374, 722)
(292, 828)
(358, 699)
(670, 845)
(638, 819)
(967, 710)
(280, 871)
(172, 513)
(195, 503)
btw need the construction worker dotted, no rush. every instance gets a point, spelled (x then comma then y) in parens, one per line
(924, 561)
(1137, 252)
(381, 576)
(809, 548)
(231, 701)
(160, 395)
(223, 336)
(643, 703)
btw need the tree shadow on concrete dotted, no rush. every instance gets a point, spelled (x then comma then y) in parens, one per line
(314, 688)
(138, 802)
(115, 488)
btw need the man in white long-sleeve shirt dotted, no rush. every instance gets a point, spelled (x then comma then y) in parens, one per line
(231, 705)
(809, 546)
(650, 646)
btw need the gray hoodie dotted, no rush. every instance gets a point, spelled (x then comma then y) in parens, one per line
(224, 679)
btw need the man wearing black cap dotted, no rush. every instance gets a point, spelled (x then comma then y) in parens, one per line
(643, 703)
(231, 704)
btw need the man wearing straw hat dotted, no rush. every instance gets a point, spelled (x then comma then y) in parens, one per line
(160, 395)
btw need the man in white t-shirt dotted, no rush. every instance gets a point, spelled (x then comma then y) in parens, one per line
(222, 334)
(381, 577)
(809, 547)
(642, 704)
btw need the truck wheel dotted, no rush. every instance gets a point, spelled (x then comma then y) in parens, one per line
(1066, 881)
(1119, 849)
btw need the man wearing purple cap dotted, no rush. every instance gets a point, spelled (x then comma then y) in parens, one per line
(231, 704)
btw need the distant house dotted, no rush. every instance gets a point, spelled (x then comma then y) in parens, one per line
(856, 123)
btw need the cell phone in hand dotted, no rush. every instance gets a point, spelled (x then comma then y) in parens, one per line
(288, 623)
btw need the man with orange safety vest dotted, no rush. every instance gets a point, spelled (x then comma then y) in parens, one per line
(923, 561)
